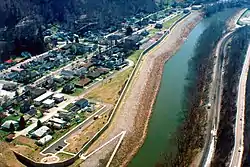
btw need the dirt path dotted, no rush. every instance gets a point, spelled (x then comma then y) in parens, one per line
(135, 111)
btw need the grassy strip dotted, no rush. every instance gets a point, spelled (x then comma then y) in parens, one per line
(168, 23)
(135, 55)
(109, 91)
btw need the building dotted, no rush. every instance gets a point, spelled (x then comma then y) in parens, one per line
(196, 7)
(48, 103)
(9, 87)
(6, 124)
(42, 131)
(34, 92)
(158, 26)
(83, 82)
(44, 140)
(82, 103)
(58, 121)
(58, 97)
(38, 100)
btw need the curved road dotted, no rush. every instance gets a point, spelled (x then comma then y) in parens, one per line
(239, 123)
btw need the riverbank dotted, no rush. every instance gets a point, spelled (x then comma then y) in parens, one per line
(157, 58)
(135, 110)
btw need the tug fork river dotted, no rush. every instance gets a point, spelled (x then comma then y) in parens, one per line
(167, 110)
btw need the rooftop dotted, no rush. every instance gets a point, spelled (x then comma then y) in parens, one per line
(6, 124)
(49, 101)
(43, 96)
(58, 95)
(41, 131)
(45, 139)
(57, 120)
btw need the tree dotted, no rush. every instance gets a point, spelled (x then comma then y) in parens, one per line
(12, 127)
(129, 31)
(22, 123)
(39, 124)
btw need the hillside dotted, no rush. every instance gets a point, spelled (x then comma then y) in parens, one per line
(21, 21)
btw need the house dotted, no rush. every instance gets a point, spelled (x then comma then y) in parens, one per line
(44, 140)
(32, 111)
(158, 26)
(58, 121)
(6, 124)
(196, 7)
(9, 87)
(48, 103)
(132, 41)
(83, 82)
(38, 100)
(82, 103)
(58, 97)
(67, 115)
(68, 88)
(34, 92)
(42, 131)
(55, 125)
(93, 75)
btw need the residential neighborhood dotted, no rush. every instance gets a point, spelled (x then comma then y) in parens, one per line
(43, 96)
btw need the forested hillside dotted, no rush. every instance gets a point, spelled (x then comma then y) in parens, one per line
(21, 22)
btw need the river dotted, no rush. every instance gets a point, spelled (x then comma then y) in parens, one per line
(167, 110)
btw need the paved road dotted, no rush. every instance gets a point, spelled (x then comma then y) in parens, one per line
(62, 141)
(239, 123)
(215, 101)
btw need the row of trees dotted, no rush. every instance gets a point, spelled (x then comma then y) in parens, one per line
(190, 136)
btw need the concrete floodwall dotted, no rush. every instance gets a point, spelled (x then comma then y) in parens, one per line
(30, 163)
(70, 161)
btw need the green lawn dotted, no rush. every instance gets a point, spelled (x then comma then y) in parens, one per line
(168, 23)
(135, 55)
(68, 106)
(153, 31)
(3, 134)
(11, 117)
(63, 156)
(78, 92)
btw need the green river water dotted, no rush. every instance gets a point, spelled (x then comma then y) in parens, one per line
(168, 105)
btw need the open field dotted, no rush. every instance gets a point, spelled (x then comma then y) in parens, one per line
(78, 139)
(109, 90)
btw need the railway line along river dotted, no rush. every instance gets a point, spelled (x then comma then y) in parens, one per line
(166, 115)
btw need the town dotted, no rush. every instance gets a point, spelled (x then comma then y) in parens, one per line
(44, 97)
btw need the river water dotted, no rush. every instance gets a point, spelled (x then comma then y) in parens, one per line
(168, 105)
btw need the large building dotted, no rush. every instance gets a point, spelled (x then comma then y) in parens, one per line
(38, 101)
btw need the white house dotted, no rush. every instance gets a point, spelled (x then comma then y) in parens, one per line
(48, 103)
(44, 140)
(41, 132)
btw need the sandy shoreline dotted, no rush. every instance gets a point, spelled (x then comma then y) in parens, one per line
(135, 110)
